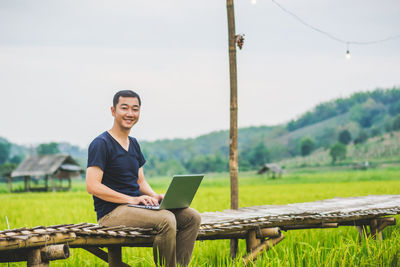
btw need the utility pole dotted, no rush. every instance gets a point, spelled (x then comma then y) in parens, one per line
(233, 143)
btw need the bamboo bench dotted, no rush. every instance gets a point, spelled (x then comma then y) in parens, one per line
(260, 226)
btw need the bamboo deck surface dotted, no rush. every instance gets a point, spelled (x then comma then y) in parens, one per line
(330, 210)
(214, 225)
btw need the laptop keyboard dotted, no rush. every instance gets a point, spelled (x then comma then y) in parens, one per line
(145, 206)
(151, 207)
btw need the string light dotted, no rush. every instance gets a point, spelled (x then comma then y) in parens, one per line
(389, 38)
(348, 56)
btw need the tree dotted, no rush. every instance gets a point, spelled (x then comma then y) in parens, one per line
(362, 137)
(258, 155)
(254, 156)
(307, 145)
(338, 152)
(394, 108)
(345, 137)
(7, 168)
(365, 114)
(375, 131)
(4, 152)
(327, 137)
(17, 159)
(396, 123)
(47, 149)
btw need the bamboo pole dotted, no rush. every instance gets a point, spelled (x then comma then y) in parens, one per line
(55, 252)
(233, 153)
(269, 232)
(36, 241)
(81, 242)
(310, 226)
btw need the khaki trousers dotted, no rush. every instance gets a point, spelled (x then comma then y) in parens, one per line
(176, 230)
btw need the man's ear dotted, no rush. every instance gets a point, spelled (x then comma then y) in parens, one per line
(113, 111)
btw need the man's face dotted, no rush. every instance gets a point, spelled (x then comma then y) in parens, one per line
(127, 112)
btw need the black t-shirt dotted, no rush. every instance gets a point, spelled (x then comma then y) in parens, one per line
(120, 168)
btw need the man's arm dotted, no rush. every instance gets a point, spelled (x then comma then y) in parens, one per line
(94, 175)
(146, 189)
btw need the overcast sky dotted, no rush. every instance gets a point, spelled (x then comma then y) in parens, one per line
(62, 61)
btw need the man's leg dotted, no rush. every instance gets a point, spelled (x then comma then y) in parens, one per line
(188, 222)
(163, 221)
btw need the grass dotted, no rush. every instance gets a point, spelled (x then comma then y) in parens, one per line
(317, 247)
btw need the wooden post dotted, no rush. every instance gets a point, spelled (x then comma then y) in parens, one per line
(266, 245)
(233, 153)
(53, 185)
(382, 224)
(46, 180)
(373, 225)
(115, 257)
(362, 232)
(9, 180)
(251, 241)
(27, 183)
(35, 259)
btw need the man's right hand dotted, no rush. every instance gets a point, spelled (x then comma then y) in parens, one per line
(145, 200)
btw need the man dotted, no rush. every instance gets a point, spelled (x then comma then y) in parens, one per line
(115, 178)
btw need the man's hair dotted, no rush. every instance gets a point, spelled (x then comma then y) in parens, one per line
(125, 93)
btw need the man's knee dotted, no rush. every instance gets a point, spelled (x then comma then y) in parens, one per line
(196, 217)
(192, 218)
(167, 222)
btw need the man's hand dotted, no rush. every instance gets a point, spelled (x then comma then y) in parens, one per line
(144, 199)
(159, 197)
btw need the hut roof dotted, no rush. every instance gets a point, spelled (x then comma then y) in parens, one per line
(38, 165)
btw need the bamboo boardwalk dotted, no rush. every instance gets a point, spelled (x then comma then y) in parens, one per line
(261, 226)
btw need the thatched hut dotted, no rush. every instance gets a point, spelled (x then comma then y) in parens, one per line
(271, 168)
(54, 168)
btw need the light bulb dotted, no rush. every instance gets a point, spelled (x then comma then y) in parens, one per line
(348, 56)
(253, 2)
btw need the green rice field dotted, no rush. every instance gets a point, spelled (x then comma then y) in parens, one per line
(317, 247)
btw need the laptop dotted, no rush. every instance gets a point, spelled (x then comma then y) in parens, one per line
(180, 193)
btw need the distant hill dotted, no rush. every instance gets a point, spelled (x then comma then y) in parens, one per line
(376, 150)
(363, 114)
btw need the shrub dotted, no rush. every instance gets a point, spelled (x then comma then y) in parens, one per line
(396, 123)
(307, 146)
(345, 137)
(338, 152)
(362, 137)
